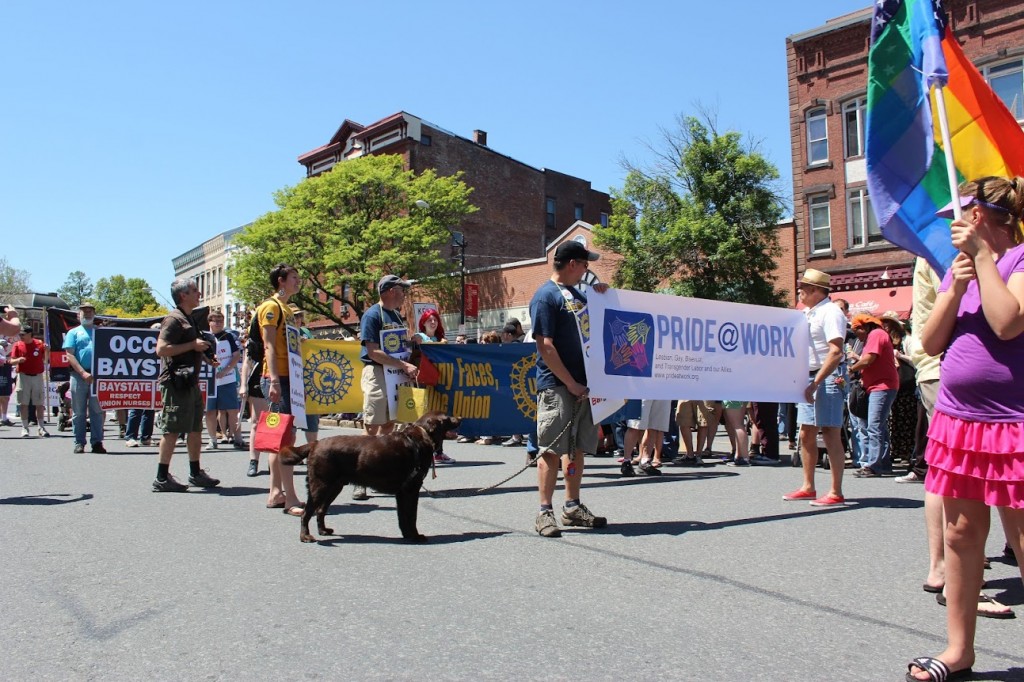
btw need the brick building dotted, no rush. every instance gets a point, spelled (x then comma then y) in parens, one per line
(523, 209)
(834, 229)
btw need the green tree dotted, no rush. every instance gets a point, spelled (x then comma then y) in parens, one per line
(13, 280)
(702, 219)
(129, 295)
(76, 288)
(345, 229)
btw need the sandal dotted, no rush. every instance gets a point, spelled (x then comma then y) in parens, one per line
(936, 669)
(276, 505)
(984, 599)
(297, 510)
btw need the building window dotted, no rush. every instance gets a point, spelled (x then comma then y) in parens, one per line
(578, 211)
(1007, 80)
(817, 137)
(853, 127)
(863, 226)
(604, 219)
(549, 209)
(425, 140)
(821, 225)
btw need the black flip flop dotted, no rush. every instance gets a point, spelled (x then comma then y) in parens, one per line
(982, 599)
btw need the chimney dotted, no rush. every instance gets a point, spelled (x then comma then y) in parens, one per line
(480, 137)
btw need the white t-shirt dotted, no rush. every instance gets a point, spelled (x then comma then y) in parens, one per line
(827, 323)
(225, 349)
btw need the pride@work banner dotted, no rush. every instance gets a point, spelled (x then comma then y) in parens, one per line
(674, 348)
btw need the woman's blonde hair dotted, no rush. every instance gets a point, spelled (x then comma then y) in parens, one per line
(1006, 193)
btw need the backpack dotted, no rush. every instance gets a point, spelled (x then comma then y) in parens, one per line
(254, 347)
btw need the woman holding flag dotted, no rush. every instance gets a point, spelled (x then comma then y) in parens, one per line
(976, 439)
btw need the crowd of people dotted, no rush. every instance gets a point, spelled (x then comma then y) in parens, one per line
(941, 394)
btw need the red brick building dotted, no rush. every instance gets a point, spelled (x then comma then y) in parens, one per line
(523, 209)
(834, 229)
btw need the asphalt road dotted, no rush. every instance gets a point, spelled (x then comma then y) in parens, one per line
(702, 574)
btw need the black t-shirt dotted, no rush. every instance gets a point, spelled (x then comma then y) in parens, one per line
(178, 328)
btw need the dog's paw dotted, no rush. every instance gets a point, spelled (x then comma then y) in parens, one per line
(306, 537)
(324, 530)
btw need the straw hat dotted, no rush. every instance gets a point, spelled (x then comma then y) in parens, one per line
(816, 278)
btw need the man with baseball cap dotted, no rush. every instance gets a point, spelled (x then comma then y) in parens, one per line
(824, 400)
(380, 316)
(79, 346)
(28, 357)
(565, 425)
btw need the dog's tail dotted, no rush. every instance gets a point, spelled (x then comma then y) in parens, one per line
(292, 456)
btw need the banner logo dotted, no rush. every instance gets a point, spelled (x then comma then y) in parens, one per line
(328, 376)
(526, 403)
(628, 343)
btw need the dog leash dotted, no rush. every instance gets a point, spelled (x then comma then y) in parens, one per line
(469, 493)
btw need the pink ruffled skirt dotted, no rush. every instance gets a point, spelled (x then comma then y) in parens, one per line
(976, 461)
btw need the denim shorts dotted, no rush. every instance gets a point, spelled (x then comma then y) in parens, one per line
(827, 409)
(226, 398)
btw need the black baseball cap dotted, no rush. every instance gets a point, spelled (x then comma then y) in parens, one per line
(390, 282)
(573, 250)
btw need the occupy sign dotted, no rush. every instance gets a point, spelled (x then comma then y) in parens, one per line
(126, 369)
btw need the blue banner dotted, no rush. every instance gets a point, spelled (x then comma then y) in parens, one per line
(491, 387)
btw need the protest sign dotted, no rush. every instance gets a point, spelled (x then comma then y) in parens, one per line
(670, 347)
(126, 370)
(296, 392)
(394, 342)
(331, 375)
(491, 388)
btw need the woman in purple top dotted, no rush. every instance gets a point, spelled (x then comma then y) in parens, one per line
(976, 439)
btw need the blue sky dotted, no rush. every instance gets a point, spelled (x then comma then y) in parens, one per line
(132, 132)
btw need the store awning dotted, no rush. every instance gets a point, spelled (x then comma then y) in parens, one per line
(877, 301)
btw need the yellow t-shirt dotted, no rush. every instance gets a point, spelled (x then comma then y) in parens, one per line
(268, 314)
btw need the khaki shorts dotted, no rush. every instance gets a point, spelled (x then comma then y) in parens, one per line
(375, 396)
(706, 410)
(183, 409)
(686, 415)
(554, 411)
(31, 389)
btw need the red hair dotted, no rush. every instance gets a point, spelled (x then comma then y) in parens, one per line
(427, 314)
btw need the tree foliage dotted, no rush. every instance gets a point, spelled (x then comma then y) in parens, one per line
(13, 280)
(76, 288)
(343, 230)
(129, 296)
(701, 219)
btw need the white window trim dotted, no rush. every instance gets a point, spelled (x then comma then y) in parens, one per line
(859, 106)
(813, 115)
(858, 199)
(812, 201)
(986, 72)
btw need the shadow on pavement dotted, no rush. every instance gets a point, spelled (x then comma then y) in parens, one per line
(45, 500)
(343, 539)
(680, 527)
(1007, 591)
(1008, 675)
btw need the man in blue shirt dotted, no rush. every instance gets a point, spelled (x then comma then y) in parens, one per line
(79, 346)
(563, 410)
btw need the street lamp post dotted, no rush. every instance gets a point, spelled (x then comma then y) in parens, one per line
(459, 242)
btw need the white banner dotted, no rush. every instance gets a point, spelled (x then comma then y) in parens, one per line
(674, 348)
(296, 389)
(395, 342)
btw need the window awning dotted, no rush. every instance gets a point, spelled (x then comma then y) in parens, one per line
(877, 301)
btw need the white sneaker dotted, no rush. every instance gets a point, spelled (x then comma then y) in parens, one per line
(212, 446)
(24, 433)
(131, 443)
(43, 433)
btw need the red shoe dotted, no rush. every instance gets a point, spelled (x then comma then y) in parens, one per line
(829, 500)
(798, 495)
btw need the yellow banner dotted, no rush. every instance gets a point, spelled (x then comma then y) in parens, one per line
(331, 374)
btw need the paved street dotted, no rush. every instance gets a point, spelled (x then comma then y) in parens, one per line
(702, 574)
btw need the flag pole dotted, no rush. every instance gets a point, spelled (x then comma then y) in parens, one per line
(947, 146)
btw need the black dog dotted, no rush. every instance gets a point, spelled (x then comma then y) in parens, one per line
(395, 464)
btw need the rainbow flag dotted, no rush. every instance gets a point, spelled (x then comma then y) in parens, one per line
(912, 50)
